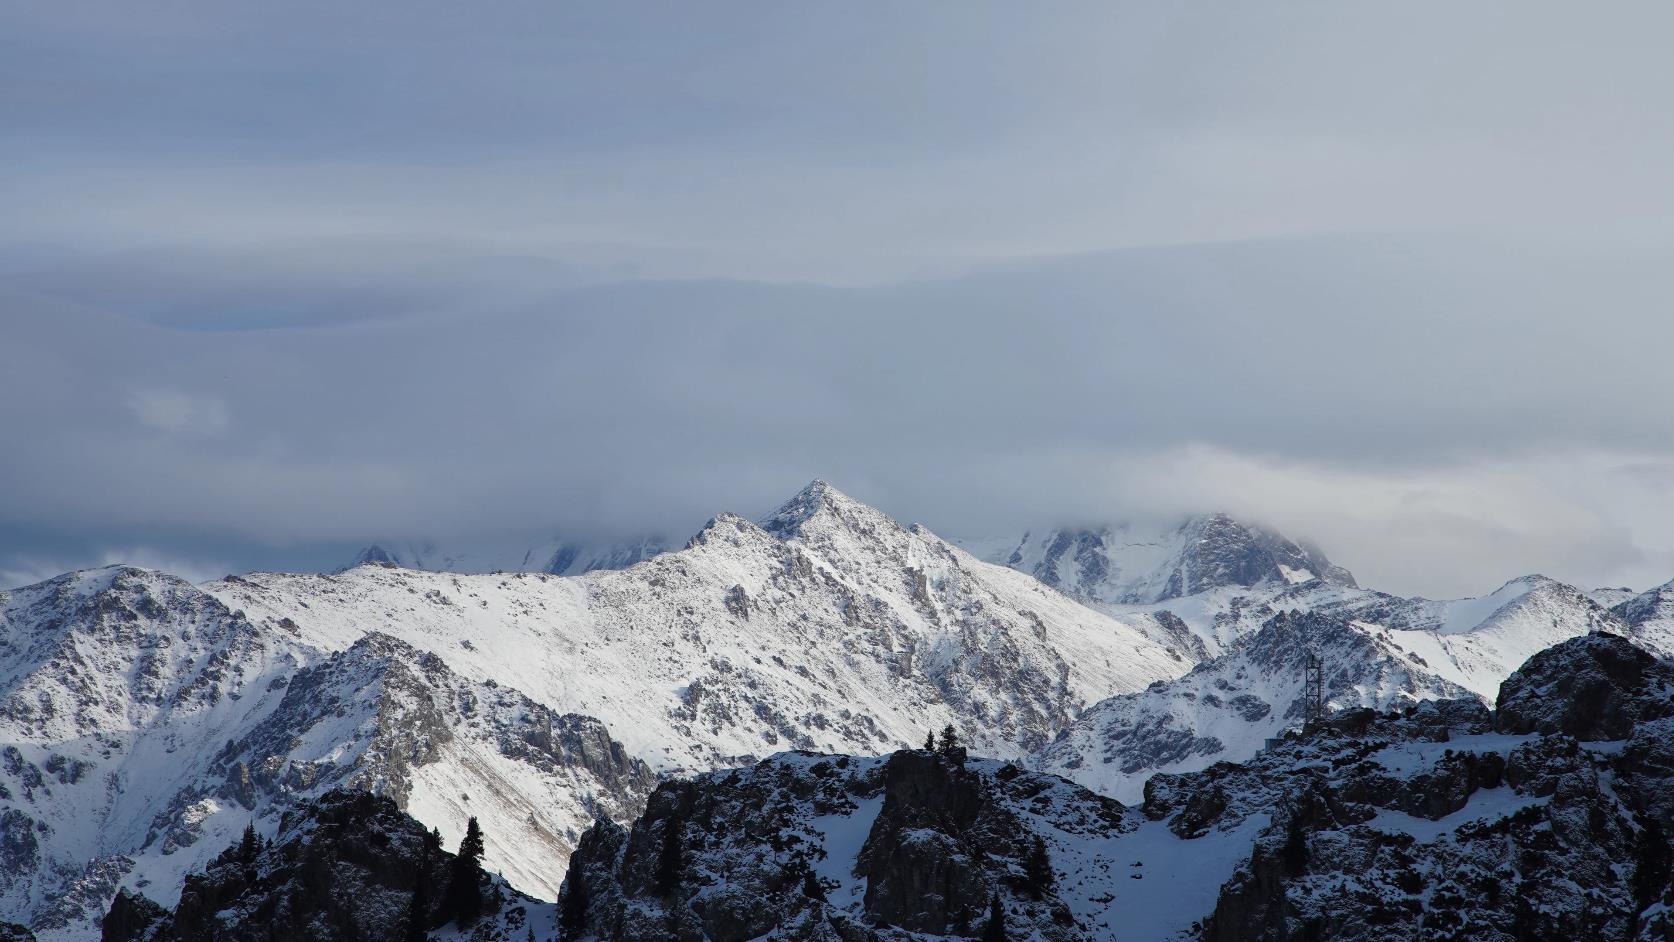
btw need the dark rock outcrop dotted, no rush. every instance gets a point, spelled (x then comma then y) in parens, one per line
(1428, 825)
(777, 849)
(349, 866)
(1596, 687)
(130, 916)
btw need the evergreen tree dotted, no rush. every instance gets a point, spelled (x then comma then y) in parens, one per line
(249, 846)
(995, 931)
(950, 739)
(466, 879)
(1038, 877)
(668, 863)
(930, 741)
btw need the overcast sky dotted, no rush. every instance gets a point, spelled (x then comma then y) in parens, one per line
(280, 279)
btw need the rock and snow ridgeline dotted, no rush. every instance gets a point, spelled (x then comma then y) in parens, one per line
(1545, 820)
(146, 721)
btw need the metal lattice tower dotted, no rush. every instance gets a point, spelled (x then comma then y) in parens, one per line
(1313, 689)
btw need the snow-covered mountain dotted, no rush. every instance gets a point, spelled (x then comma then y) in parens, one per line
(1377, 651)
(558, 557)
(827, 626)
(145, 721)
(1650, 618)
(145, 724)
(1132, 564)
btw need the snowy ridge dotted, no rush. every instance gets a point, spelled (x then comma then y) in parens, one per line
(1650, 617)
(844, 631)
(1378, 651)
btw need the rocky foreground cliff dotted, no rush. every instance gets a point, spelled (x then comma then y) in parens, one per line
(1548, 819)
(349, 865)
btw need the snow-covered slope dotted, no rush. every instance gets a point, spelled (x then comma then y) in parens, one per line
(1378, 651)
(1650, 618)
(116, 685)
(829, 626)
(143, 725)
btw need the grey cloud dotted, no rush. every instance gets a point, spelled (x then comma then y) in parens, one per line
(276, 279)
(1324, 375)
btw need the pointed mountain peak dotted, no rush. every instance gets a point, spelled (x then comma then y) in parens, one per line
(819, 501)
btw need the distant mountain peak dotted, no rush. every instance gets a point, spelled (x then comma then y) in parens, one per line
(820, 502)
(1140, 564)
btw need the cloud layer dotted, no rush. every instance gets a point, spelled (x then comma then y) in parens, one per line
(276, 281)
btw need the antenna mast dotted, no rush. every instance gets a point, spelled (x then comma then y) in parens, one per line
(1313, 689)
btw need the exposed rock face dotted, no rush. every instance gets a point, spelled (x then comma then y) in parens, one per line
(130, 917)
(345, 867)
(1441, 820)
(1429, 824)
(807, 846)
(1597, 687)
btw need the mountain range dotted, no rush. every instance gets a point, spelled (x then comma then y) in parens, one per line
(146, 721)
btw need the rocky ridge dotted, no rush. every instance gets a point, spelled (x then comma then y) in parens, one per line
(1442, 820)
(1376, 651)
(348, 865)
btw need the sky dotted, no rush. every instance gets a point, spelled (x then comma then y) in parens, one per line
(280, 280)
